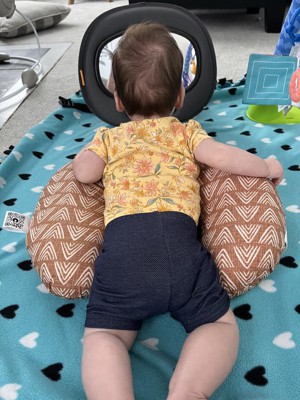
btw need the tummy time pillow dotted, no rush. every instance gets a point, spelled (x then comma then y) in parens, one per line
(242, 224)
(66, 234)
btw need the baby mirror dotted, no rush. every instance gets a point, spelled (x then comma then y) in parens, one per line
(188, 52)
(101, 39)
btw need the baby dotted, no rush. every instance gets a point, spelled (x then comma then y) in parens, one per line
(152, 262)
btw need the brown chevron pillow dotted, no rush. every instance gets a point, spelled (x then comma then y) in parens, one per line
(66, 233)
(242, 224)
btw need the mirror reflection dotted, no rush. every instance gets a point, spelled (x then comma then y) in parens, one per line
(188, 52)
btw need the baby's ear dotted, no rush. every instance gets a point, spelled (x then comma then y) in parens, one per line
(118, 102)
(180, 97)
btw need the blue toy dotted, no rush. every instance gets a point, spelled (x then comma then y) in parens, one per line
(288, 35)
(266, 111)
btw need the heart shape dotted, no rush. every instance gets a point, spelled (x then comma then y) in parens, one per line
(294, 168)
(59, 116)
(29, 135)
(232, 91)
(9, 391)
(29, 340)
(59, 148)
(25, 177)
(37, 189)
(77, 114)
(293, 208)
(42, 288)
(283, 182)
(49, 167)
(53, 371)
(17, 155)
(266, 140)
(50, 135)
(2, 182)
(151, 343)
(245, 133)
(66, 310)
(286, 147)
(71, 156)
(25, 265)
(288, 261)
(256, 376)
(268, 285)
(243, 312)
(284, 340)
(9, 312)
(10, 202)
(231, 142)
(69, 132)
(10, 247)
(38, 154)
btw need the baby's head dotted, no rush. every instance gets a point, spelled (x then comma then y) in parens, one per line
(147, 68)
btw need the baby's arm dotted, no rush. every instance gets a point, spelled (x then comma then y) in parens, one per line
(237, 161)
(88, 166)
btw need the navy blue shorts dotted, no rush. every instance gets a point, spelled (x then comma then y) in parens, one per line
(151, 264)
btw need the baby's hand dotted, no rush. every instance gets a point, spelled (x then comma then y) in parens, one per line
(275, 170)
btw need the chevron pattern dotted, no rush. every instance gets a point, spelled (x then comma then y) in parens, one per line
(66, 234)
(242, 223)
(243, 226)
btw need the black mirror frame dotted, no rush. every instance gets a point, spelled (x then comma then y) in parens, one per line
(112, 24)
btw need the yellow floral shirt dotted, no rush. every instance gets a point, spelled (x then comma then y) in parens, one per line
(150, 166)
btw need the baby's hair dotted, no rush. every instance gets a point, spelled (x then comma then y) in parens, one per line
(147, 69)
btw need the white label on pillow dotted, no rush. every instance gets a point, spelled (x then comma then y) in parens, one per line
(16, 222)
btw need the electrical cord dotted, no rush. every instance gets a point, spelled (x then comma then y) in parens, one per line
(29, 76)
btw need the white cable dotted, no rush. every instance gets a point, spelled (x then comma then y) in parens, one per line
(29, 59)
(36, 64)
(35, 34)
(38, 70)
(9, 96)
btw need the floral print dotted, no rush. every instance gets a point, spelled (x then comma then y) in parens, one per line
(150, 166)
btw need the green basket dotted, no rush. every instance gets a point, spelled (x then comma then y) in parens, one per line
(270, 115)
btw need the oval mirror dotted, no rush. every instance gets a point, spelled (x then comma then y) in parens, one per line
(189, 65)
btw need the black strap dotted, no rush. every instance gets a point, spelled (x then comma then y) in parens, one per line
(68, 103)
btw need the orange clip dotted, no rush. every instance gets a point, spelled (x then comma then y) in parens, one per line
(82, 77)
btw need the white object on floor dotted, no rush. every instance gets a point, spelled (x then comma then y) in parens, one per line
(48, 60)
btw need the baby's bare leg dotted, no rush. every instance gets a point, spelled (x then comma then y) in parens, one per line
(106, 369)
(206, 359)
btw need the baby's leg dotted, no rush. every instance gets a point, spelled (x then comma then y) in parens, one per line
(206, 359)
(106, 369)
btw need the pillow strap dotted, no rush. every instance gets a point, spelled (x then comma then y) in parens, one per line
(68, 103)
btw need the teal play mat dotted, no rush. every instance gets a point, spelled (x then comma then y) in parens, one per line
(40, 334)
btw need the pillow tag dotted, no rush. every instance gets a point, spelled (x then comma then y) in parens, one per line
(16, 222)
